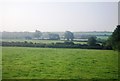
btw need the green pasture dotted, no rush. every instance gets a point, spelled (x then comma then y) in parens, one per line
(58, 63)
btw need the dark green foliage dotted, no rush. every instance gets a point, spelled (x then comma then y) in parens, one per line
(107, 44)
(114, 40)
(99, 40)
(92, 41)
(67, 44)
(69, 35)
(104, 43)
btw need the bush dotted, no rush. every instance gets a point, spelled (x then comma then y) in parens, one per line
(69, 43)
(55, 45)
(92, 41)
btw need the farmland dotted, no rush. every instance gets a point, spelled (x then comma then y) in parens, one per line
(29, 57)
(59, 40)
(58, 63)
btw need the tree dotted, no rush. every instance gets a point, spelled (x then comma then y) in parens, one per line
(92, 41)
(37, 34)
(69, 35)
(114, 40)
(54, 37)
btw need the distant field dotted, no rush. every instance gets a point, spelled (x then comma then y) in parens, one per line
(34, 41)
(93, 33)
(52, 63)
(103, 37)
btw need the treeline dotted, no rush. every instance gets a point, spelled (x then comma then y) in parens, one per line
(50, 35)
(66, 44)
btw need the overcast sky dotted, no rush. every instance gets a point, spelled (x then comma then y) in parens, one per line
(58, 16)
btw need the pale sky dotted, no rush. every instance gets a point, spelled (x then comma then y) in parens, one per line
(30, 15)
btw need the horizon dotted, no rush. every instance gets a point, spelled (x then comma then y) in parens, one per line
(56, 31)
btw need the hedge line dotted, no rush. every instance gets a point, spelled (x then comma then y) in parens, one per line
(53, 45)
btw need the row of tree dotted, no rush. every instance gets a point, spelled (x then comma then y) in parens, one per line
(47, 35)
(69, 36)
(66, 44)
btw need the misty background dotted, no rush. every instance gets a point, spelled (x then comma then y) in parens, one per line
(58, 16)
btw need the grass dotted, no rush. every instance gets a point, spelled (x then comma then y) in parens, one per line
(52, 63)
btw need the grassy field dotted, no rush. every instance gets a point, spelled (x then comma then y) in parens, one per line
(49, 63)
